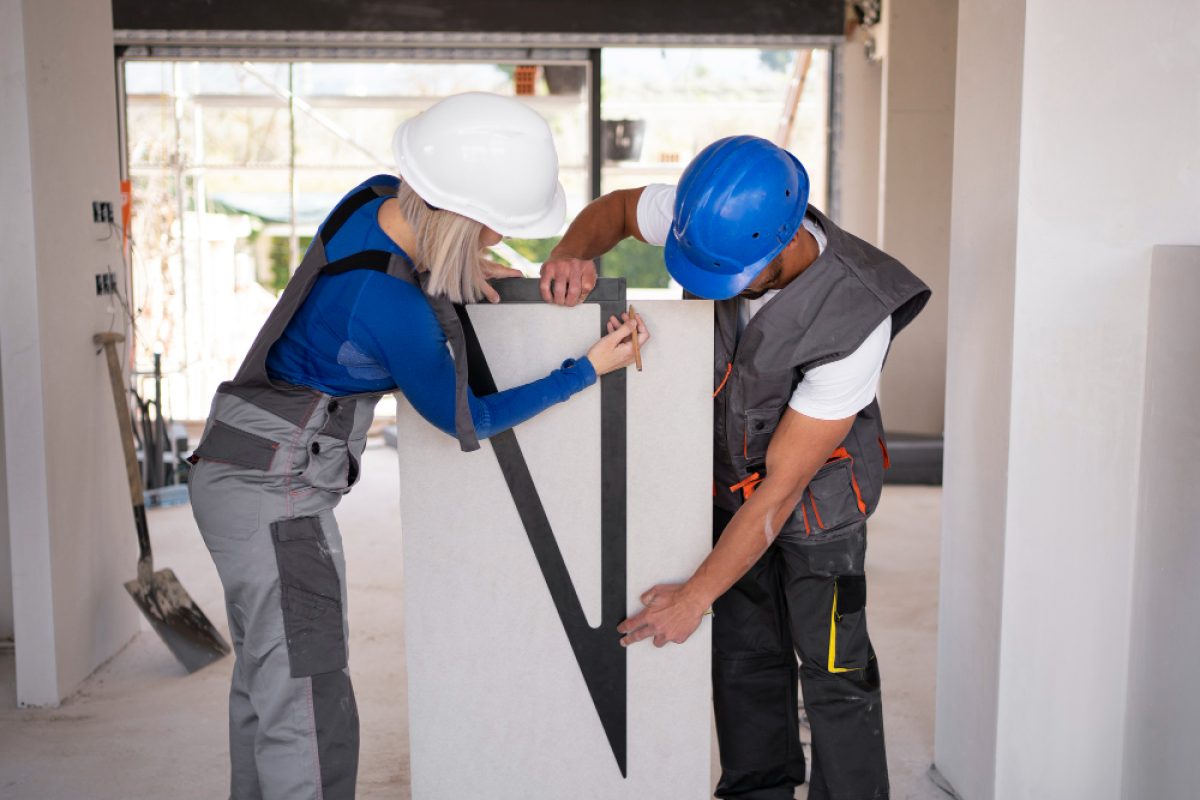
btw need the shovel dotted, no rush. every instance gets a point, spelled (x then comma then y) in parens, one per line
(173, 614)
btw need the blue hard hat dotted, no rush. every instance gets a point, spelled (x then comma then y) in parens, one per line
(738, 204)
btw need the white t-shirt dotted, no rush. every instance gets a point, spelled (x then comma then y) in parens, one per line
(835, 390)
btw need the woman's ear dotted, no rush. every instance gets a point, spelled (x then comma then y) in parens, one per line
(489, 237)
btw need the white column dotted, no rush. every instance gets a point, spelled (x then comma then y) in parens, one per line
(917, 129)
(69, 519)
(983, 245)
(858, 152)
(1051, 242)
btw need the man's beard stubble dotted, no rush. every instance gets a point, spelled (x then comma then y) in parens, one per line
(771, 272)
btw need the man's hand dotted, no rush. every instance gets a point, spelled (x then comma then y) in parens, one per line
(569, 274)
(798, 448)
(567, 281)
(671, 614)
(491, 271)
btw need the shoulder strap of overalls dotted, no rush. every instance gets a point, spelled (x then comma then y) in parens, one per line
(401, 266)
(344, 210)
(252, 374)
(375, 260)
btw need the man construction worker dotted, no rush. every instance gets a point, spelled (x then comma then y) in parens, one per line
(805, 314)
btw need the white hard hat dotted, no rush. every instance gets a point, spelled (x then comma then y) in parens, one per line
(488, 157)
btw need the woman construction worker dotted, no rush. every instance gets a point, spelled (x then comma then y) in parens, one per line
(370, 310)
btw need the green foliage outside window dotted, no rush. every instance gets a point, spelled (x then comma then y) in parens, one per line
(281, 261)
(640, 264)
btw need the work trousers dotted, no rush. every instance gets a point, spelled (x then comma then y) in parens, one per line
(263, 491)
(805, 597)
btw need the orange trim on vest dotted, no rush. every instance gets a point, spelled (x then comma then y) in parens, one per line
(747, 485)
(816, 511)
(804, 513)
(857, 494)
(887, 461)
(728, 369)
(842, 452)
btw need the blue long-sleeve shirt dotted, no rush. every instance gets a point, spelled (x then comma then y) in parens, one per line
(365, 331)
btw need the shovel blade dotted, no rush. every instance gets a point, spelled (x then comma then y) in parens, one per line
(177, 620)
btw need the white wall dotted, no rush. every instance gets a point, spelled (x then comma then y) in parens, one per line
(70, 523)
(916, 139)
(21, 368)
(858, 155)
(6, 596)
(1101, 184)
(983, 245)
(1160, 737)
(1106, 167)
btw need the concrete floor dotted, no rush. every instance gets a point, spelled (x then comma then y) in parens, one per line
(142, 728)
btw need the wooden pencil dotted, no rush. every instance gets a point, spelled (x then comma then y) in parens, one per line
(637, 349)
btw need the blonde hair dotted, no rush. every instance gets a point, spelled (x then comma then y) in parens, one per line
(448, 246)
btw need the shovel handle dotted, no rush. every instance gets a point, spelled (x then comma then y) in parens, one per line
(124, 419)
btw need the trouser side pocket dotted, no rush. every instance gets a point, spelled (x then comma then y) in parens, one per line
(311, 596)
(849, 645)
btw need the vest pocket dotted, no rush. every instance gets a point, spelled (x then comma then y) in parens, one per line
(760, 424)
(832, 497)
(311, 597)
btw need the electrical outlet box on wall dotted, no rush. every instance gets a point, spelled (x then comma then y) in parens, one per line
(102, 212)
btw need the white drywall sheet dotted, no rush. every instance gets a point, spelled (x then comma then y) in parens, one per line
(498, 706)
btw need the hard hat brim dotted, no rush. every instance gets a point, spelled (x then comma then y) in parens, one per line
(706, 283)
(548, 225)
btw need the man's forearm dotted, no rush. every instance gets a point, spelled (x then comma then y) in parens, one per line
(748, 535)
(797, 450)
(596, 230)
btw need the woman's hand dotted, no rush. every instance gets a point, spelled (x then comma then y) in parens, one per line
(615, 351)
(492, 270)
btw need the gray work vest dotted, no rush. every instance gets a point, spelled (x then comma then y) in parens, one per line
(823, 315)
(294, 403)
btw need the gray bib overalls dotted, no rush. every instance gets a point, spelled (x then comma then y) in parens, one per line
(807, 595)
(272, 464)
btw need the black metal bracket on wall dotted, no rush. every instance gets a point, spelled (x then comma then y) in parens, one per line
(598, 650)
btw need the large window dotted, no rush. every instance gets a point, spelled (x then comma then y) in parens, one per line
(234, 164)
